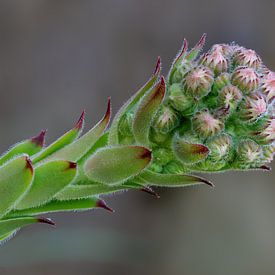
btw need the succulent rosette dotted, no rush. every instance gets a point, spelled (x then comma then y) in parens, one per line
(214, 112)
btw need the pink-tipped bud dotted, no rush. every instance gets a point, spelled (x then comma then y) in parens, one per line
(219, 147)
(166, 120)
(266, 135)
(230, 96)
(253, 107)
(246, 79)
(268, 153)
(268, 86)
(215, 60)
(247, 57)
(205, 124)
(225, 49)
(199, 81)
(248, 153)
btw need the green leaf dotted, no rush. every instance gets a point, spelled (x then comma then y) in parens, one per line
(113, 136)
(8, 226)
(74, 192)
(15, 179)
(57, 206)
(146, 111)
(117, 164)
(49, 179)
(30, 146)
(79, 148)
(179, 58)
(197, 49)
(170, 180)
(6, 237)
(189, 153)
(64, 140)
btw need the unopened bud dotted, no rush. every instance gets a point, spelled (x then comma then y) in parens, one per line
(268, 153)
(166, 120)
(221, 81)
(268, 86)
(215, 61)
(204, 124)
(253, 107)
(246, 79)
(162, 156)
(226, 49)
(246, 57)
(230, 96)
(219, 147)
(178, 99)
(199, 81)
(266, 134)
(248, 153)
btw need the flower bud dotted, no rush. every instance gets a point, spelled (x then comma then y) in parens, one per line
(266, 134)
(219, 147)
(246, 79)
(162, 156)
(268, 86)
(249, 153)
(178, 99)
(225, 49)
(221, 81)
(253, 107)
(215, 61)
(199, 81)
(166, 120)
(230, 96)
(205, 125)
(268, 153)
(246, 57)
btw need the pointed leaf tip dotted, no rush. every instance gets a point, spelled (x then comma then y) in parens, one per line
(108, 111)
(102, 204)
(39, 140)
(80, 122)
(265, 167)
(46, 220)
(158, 66)
(145, 154)
(29, 164)
(150, 191)
(183, 50)
(72, 165)
(201, 42)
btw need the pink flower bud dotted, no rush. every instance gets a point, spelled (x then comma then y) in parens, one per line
(246, 79)
(246, 57)
(268, 86)
(230, 96)
(215, 60)
(221, 81)
(248, 153)
(204, 124)
(225, 49)
(267, 133)
(219, 147)
(199, 81)
(253, 107)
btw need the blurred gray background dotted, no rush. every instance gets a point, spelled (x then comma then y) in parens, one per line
(58, 57)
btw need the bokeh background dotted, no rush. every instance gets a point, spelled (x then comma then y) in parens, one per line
(58, 57)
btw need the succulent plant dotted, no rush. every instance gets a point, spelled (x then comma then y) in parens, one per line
(214, 112)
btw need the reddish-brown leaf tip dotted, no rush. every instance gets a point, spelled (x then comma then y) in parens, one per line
(145, 154)
(265, 167)
(161, 87)
(150, 191)
(72, 165)
(183, 50)
(207, 182)
(80, 121)
(46, 220)
(201, 41)
(29, 164)
(158, 66)
(102, 204)
(39, 140)
(107, 115)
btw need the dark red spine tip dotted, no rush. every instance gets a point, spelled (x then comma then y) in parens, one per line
(201, 41)
(158, 66)
(102, 204)
(150, 191)
(108, 111)
(72, 165)
(46, 220)
(145, 154)
(29, 164)
(39, 140)
(207, 182)
(183, 50)
(80, 122)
